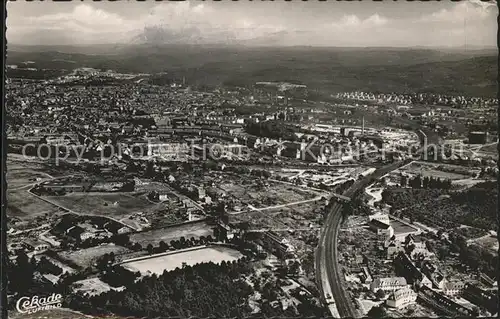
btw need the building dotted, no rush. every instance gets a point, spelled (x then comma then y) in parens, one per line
(442, 304)
(481, 298)
(401, 298)
(388, 284)
(201, 192)
(277, 245)
(453, 288)
(406, 268)
(478, 137)
(487, 280)
(420, 253)
(87, 235)
(416, 241)
(393, 249)
(35, 246)
(384, 218)
(435, 276)
(381, 228)
(366, 277)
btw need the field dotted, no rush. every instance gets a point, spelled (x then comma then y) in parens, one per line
(446, 172)
(173, 260)
(24, 205)
(18, 176)
(61, 313)
(488, 242)
(168, 234)
(86, 257)
(264, 195)
(91, 286)
(298, 217)
(105, 204)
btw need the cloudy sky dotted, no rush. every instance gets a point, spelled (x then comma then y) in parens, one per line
(329, 23)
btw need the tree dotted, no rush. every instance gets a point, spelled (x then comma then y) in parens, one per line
(150, 249)
(380, 294)
(377, 312)
(163, 246)
(404, 181)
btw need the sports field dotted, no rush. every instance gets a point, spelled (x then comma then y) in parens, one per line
(401, 228)
(169, 262)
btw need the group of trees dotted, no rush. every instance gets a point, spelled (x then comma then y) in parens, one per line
(272, 129)
(180, 243)
(356, 207)
(21, 273)
(426, 182)
(204, 290)
(44, 266)
(243, 170)
(474, 256)
(118, 276)
(106, 260)
(476, 206)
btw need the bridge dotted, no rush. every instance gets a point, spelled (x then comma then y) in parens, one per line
(342, 198)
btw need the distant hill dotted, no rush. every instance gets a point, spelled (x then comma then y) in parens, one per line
(331, 70)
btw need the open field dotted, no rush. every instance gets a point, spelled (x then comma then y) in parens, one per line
(489, 148)
(105, 204)
(270, 194)
(169, 262)
(60, 313)
(168, 234)
(489, 242)
(91, 286)
(21, 176)
(86, 257)
(452, 172)
(24, 205)
(298, 217)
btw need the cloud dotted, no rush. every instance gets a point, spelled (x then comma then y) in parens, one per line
(467, 11)
(355, 23)
(484, 4)
(189, 22)
(83, 17)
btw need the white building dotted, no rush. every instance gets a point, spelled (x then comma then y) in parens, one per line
(401, 298)
(388, 284)
(381, 228)
(453, 288)
(384, 218)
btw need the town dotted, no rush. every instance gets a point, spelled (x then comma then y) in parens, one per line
(114, 179)
(250, 159)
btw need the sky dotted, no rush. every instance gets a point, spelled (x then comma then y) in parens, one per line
(280, 23)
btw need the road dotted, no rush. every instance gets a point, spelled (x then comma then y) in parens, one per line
(330, 277)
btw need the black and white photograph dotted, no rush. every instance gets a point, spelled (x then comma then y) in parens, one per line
(250, 159)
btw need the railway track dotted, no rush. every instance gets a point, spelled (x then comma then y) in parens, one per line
(327, 255)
